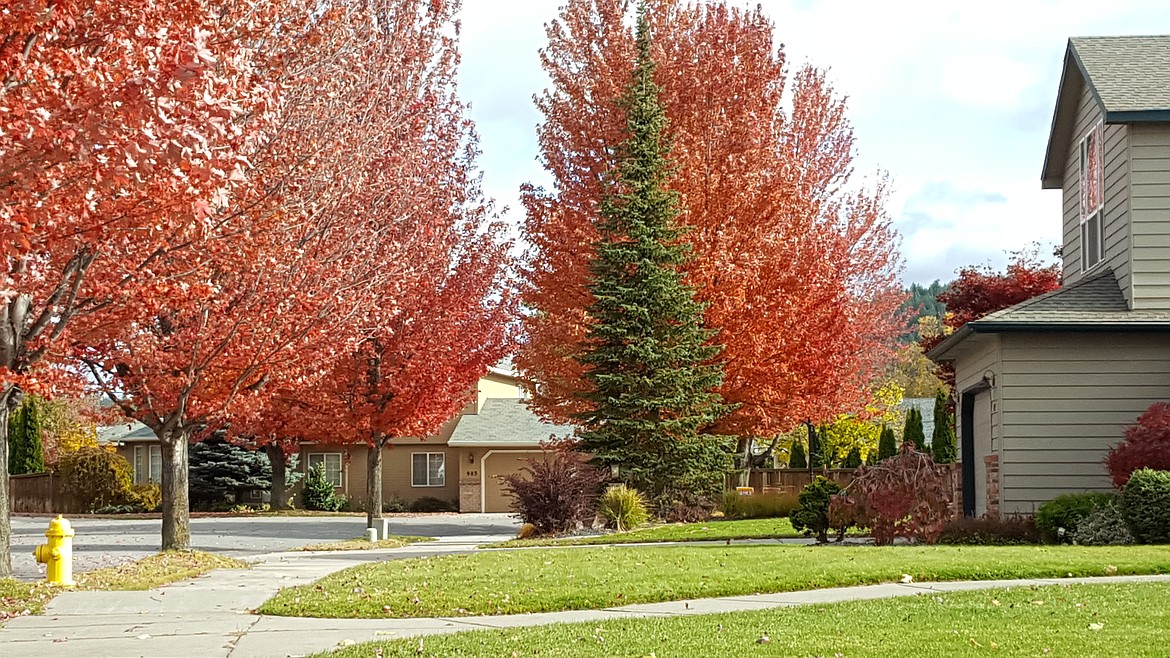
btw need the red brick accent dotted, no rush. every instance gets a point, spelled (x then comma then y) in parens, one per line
(992, 463)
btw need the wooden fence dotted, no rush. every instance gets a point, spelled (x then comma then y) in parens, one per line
(37, 494)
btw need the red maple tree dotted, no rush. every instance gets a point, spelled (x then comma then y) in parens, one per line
(120, 135)
(796, 262)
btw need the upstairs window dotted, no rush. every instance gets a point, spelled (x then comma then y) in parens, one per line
(1092, 182)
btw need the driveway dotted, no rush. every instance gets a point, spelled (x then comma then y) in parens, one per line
(107, 542)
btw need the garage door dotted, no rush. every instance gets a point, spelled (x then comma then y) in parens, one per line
(498, 464)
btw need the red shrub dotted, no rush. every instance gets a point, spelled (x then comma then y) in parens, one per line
(560, 492)
(906, 495)
(1146, 445)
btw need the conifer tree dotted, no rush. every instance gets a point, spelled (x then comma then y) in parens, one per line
(652, 373)
(853, 459)
(26, 452)
(796, 457)
(816, 449)
(913, 432)
(887, 444)
(942, 442)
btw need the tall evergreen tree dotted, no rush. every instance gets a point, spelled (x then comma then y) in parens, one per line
(853, 459)
(796, 457)
(913, 432)
(25, 449)
(942, 442)
(887, 444)
(816, 449)
(652, 372)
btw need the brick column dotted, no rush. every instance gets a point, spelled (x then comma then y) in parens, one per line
(992, 463)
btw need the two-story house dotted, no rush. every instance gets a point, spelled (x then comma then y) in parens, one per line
(1046, 387)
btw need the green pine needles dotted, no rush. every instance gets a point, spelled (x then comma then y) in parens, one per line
(887, 444)
(942, 442)
(25, 450)
(913, 433)
(647, 356)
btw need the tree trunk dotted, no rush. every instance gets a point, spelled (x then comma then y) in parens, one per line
(277, 491)
(374, 484)
(176, 504)
(10, 392)
(746, 444)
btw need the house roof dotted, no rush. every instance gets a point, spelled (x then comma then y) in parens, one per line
(130, 431)
(1129, 76)
(505, 422)
(1094, 303)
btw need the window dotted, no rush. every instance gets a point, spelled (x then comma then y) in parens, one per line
(330, 462)
(1092, 182)
(147, 464)
(428, 469)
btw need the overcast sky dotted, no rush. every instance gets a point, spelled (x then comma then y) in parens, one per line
(954, 100)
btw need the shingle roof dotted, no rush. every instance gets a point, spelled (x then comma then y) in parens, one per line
(1096, 300)
(505, 422)
(129, 431)
(1128, 73)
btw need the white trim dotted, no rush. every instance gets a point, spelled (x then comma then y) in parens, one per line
(428, 471)
(483, 475)
(340, 464)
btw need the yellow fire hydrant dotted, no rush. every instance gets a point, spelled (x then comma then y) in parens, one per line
(57, 555)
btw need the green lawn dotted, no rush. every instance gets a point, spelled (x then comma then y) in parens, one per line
(543, 580)
(707, 531)
(364, 544)
(24, 598)
(1104, 621)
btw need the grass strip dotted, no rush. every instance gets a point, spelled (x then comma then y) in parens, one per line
(364, 544)
(547, 580)
(780, 528)
(18, 598)
(1105, 621)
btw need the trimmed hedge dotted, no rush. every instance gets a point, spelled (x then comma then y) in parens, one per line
(1067, 511)
(1145, 505)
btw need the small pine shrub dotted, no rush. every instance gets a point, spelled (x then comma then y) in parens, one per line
(623, 507)
(96, 477)
(903, 496)
(1146, 445)
(319, 492)
(1058, 518)
(1010, 531)
(796, 457)
(766, 506)
(853, 459)
(432, 505)
(913, 433)
(1145, 505)
(887, 444)
(1104, 526)
(812, 516)
(145, 497)
(557, 492)
(942, 443)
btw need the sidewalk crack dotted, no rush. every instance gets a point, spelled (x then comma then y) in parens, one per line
(239, 635)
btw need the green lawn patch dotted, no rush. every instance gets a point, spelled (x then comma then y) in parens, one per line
(19, 598)
(1106, 621)
(545, 580)
(364, 544)
(707, 531)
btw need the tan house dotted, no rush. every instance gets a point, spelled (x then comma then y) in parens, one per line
(494, 435)
(1046, 387)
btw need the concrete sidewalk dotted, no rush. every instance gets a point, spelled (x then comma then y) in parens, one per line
(210, 616)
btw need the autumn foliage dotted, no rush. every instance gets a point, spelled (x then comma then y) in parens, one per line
(795, 261)
(905, 496)
(1146, 445)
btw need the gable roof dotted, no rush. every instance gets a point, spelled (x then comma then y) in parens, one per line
(1128, 76)
(1094, 303)
(129, 431)
(505, 422)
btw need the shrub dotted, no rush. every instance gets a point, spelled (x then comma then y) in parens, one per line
(319, 492)
(1009, 531)
(903, 496)
(812, 516)
(679, 505)
(767, 506)
(1057, 519)
(623, 507)
(942, 443)
(1146, 445)
(796, 457)
(1104, 526)
(395, 505)
(431, 505)
(853, 459)
(557, 492)
(913, 433)
(887, 444)
(1145, 505)
(145, 497)
(96, 477)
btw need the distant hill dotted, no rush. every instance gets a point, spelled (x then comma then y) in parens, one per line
(921, 301)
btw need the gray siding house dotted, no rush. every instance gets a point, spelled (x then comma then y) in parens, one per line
(1046, 387)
